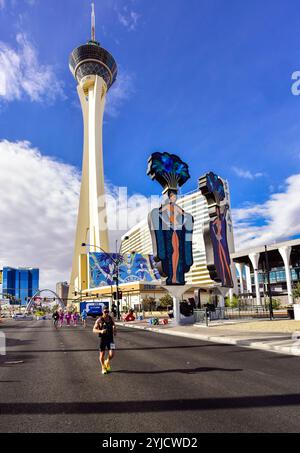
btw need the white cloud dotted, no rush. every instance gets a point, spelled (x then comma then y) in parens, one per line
(2, 4)
(246, 173)
(22, 75)
(38, 208)
(119, 93)
(275, 220)
(128, 18)
(38, 211)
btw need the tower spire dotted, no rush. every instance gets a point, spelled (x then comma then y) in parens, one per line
(93, 23)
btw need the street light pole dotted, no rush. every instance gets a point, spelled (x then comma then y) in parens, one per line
(116, 278)
(117, 264)
(117, 287)
(269, 283)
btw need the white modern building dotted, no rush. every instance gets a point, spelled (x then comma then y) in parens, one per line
(282, 260)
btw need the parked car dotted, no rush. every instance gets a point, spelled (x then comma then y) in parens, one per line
(22, 317)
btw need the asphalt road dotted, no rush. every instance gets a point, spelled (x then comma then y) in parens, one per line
(50, 381)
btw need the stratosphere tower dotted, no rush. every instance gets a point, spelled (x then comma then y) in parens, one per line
(95, 70)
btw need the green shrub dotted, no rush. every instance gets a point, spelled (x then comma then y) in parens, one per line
(275, 304)
(39, 313)
(148, 303)
(296, 291)
(232, 303)
(227, 301)
(166, 300)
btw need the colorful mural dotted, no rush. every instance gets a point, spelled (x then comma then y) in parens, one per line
(131, 267)
(170, 226)
(215, 230)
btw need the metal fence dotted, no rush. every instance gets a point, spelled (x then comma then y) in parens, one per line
(201, 316)
(248, 311)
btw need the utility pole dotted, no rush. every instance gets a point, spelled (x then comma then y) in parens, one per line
(269, 284)
(116, 278)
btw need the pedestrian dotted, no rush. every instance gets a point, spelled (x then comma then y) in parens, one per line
(68, 318)
(61, 318)
(83, 317)
(75, 318)
(130, 316)
(114, 310)
(106, 329)
(55, 317)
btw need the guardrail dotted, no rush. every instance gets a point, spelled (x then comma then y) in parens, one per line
(206, 315)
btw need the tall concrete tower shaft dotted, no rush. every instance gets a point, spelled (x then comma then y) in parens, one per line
(95, 70)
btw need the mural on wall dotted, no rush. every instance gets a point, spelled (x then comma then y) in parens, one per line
(215, 230)
(170, 226)
(132, 267)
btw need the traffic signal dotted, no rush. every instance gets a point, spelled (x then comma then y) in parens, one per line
(115, 295)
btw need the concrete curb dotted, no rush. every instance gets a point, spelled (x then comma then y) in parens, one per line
(290, 349)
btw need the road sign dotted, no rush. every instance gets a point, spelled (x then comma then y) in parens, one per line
(93, 308)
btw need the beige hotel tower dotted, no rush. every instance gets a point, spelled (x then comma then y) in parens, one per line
(95, 71)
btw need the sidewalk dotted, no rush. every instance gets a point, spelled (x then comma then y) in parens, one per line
(279, 336)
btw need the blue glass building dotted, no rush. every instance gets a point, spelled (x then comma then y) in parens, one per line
(20, 283)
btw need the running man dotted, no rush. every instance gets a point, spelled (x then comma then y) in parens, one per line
(106, 329)
(55, 318)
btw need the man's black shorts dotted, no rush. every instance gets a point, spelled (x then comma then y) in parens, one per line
(105, 344)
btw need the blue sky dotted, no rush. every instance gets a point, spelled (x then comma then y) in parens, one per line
(209, 80)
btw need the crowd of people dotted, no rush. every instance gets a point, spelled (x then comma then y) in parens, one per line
(68, 317)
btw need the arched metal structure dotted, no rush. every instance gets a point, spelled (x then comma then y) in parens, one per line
(30, 303)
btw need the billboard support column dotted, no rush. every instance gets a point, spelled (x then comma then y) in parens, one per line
(285, 253)
(118, 298)
(223, 293)
(254, 258)
(177, 292)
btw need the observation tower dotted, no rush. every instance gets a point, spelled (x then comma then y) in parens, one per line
(95, 71)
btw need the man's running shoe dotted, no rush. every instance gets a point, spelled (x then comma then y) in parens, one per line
(107, 366)
(104, 370)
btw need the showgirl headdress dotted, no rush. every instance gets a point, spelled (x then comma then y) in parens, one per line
(169, 170)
